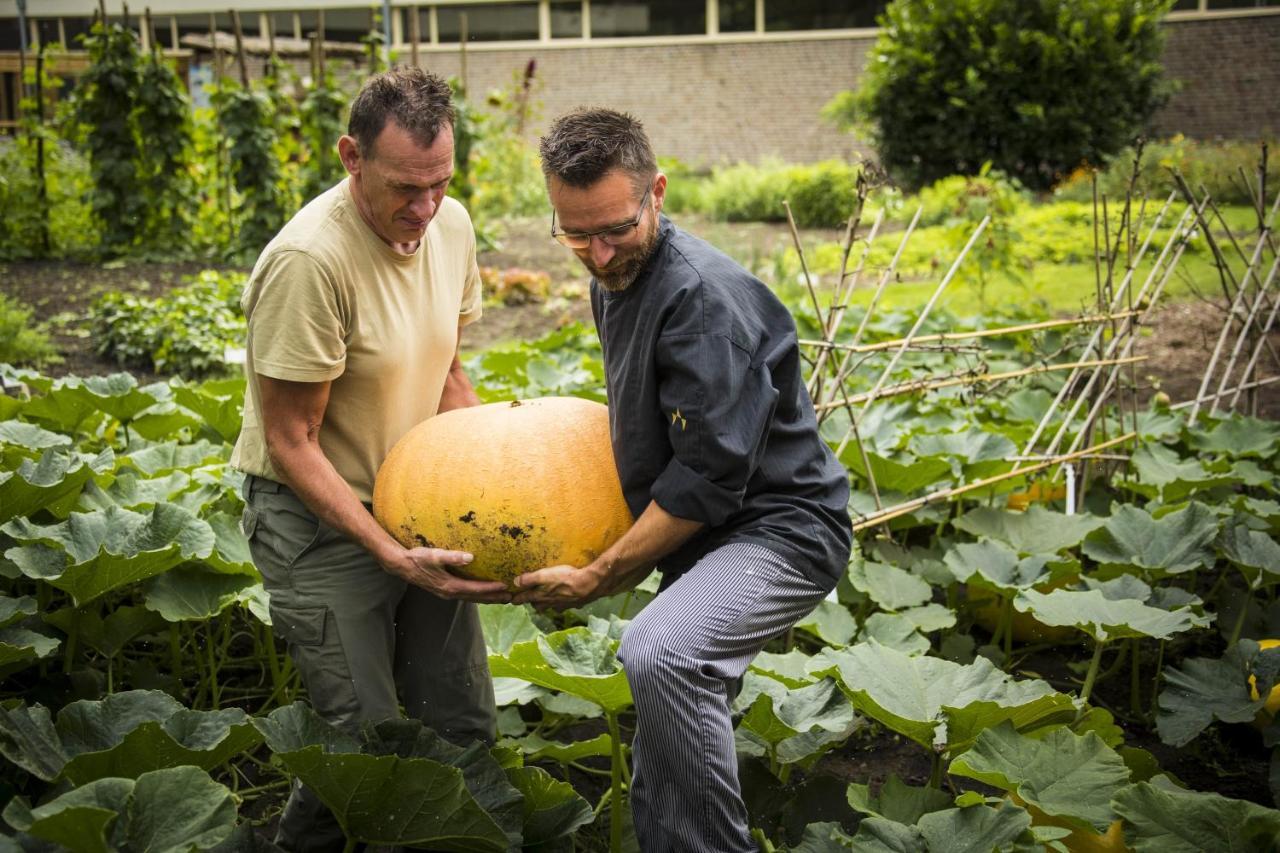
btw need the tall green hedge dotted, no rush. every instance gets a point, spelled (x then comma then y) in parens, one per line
(1035, 87)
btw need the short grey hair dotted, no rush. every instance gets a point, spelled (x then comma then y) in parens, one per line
(419, 101)
(583, 146)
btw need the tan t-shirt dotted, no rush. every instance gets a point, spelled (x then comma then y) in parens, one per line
(329, 300)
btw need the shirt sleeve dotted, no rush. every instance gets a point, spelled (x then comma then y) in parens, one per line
(717, 407)
(296, 327)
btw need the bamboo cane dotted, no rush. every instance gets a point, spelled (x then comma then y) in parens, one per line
(924, 314)
(1244, 335)
(980, 379)
(947, 494)
(943, 337)
(1236, 300)
(1257, 351)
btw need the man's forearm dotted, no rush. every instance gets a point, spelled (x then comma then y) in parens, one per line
(458, 392)
(655, 534)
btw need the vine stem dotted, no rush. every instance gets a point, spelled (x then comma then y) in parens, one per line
(615, 785)
(1098, 646)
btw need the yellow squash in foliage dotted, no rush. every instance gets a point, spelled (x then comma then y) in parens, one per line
(521, 485)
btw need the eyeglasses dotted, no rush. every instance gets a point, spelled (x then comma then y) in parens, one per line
(613, 236)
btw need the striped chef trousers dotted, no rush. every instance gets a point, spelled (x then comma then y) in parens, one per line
(683, 655)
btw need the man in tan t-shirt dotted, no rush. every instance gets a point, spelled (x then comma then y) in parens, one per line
(355, 311)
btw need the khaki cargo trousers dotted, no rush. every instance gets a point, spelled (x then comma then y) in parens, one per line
(355, 633)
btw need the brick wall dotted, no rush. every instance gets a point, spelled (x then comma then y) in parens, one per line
(702, 103)
(727, 102)
(1228, 71)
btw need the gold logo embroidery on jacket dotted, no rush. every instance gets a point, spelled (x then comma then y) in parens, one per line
(677, 418)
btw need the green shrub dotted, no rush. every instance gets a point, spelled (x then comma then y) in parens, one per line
(186, 332)
(1035, 88)
(686, 189)
(1216, 166)
(820, 194)
(21, 342)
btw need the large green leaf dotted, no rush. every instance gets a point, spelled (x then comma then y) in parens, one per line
(939, 703)
(1239, 436)
(109, 633)
(1250, 549)
(1169, 820)
(31, 437)
(29, 740)
(36, 484)
(537, 748)
(889, 586)
(974, 452)
(1201, 690)
(906, 477)
(21, 647)
(1107, 619)
(575, 661)
(994, 565)
(220, 411)
(118, 394)
(1036, 531)
(188, 594)
(93, 553)
(125, 735)
(976, 829)
(1163, 474)
(801, 726)
(898, 801)
(830, 622)
(1178, 542)
(382, 799)
(790, 668)
(165, 811)
(1064, 775)
(156, 459)
(505, 625)
(552, 809)
(129, 491)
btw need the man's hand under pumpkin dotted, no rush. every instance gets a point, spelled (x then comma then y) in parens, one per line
(559, 587)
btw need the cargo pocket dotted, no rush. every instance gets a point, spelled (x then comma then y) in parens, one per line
(280, 530)
(316, 648)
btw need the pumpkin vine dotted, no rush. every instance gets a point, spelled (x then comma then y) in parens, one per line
(246, 120)
(106, 105)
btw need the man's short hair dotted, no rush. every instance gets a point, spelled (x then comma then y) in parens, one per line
(583, 146)
(417, 100)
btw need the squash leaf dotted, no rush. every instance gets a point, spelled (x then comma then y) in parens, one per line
(1201, 690)
(164, 811)
(1107, 619)
(1065, 775)
(1171, 820)
(93, 553)
(1174, 543)
(938, 703)
(1037, 530)
(575, 661)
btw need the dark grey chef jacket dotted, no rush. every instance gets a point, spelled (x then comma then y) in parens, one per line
(709, 414)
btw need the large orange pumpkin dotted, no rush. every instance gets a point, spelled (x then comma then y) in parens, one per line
(520, 485)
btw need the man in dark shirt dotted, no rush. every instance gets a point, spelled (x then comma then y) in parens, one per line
(737, 499)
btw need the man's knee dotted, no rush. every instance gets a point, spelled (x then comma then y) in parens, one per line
(654, 651)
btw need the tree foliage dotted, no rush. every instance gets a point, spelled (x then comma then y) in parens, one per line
(1036, 88)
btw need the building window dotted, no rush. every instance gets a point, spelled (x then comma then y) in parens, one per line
(566, 20)
(737, 16)
(611, 18)
(1242, 4)
(490, 22)
(349, 25)
(821, 14)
